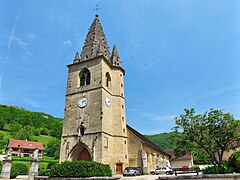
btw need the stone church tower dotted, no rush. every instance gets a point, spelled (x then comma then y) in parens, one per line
(94, 119)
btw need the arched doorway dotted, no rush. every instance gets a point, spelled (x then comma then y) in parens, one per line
(80, 152)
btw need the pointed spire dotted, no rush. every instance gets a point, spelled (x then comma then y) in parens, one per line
(95, 42)
(115, 59)
(76, 59)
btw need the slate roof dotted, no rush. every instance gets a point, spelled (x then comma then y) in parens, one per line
(23, 144)
(146, 140)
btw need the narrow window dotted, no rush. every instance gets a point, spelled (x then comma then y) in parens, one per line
(85, 77)
(108, 80)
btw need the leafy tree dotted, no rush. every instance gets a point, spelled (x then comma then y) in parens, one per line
(53, 146)
(213, 131)
(3, 142)
(2, 123)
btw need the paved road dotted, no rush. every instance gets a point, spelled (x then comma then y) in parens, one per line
(154, 177)
(145, 177)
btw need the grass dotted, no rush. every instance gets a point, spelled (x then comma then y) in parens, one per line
(43, 139)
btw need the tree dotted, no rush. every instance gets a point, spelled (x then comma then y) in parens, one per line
(213, 131)
(53, 146)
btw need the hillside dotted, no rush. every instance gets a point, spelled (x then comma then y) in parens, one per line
(19, 123)
(163, 140)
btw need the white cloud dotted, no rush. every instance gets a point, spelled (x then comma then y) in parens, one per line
(32, 103)
(216, 92)
(13, 29)
(67, 42)
(153, 131)
(158, 118)
(23, 45)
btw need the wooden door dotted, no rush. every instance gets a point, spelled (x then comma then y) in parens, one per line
(119, 168)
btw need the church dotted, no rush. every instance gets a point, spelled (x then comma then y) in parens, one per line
(95, 127)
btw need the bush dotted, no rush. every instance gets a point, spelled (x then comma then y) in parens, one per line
(50, 165)
(0, 166)
(218, 170)
(44, 172)
(80, 169)
(234, 161)
(18, 169)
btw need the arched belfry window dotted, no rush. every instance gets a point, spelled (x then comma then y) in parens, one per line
(108, 80)
(85, 77)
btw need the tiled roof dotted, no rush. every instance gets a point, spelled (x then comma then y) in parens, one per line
(181, 158)
(23, 144)
(146, 140)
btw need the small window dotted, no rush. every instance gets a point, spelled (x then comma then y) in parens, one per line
(122, 118)
(85, 77)
(122, 106)
(125, 156)
(108, 80)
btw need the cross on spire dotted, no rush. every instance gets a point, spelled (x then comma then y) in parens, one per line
(97, 10)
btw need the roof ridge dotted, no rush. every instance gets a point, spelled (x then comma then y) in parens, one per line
(146, 140)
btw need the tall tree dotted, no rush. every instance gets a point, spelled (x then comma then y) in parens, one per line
(215, 132)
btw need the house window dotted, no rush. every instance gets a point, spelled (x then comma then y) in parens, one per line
(108, 80)
(85, 77)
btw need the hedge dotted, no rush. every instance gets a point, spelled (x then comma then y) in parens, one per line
(234, 161)
(80, 169)
(18, 169)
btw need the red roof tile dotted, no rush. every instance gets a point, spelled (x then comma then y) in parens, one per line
(23, 144)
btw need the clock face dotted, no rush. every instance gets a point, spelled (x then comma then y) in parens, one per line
(108, 102)
(82, 102)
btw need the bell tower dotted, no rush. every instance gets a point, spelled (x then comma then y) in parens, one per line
(94, 125)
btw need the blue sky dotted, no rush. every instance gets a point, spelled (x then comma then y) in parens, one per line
(177, 54)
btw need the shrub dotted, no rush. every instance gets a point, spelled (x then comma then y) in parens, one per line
(18, 169)
(218, 170)
(50, 165)
(0, 166)
(234, 161)
(80, 169)
(44, 172)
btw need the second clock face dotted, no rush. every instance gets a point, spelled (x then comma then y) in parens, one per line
(82, 102)
(108, 102)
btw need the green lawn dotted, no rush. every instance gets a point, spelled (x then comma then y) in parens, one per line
(43, 139)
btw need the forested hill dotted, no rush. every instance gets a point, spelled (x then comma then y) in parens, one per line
(163, 140)
(23, 123)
